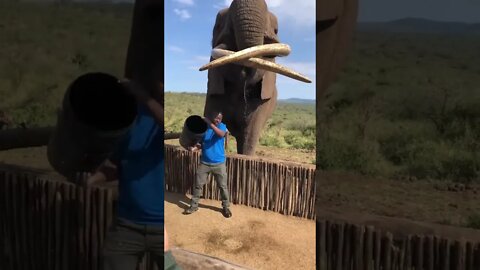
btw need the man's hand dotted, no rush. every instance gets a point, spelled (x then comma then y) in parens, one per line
(85, 179)
(107, 171)
(208, 121)
(195, 147)
(140, 94)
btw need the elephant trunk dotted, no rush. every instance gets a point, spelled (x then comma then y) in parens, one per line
(249, 22)
(249, 27)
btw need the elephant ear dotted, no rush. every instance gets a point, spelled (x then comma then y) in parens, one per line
(219, 27)
(271, 34)
(215, 84)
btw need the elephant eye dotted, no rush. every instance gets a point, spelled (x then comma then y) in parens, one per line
(323, 25)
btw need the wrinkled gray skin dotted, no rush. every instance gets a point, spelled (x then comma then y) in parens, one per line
(247, 97)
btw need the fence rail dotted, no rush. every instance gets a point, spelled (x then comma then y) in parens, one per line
(283, 187)
(343, 246)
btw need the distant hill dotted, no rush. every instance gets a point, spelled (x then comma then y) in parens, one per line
(418, 25)
(297, 101)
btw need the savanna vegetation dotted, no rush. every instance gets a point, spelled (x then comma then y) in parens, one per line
(406, 106)
(292, 125)
(46, 46)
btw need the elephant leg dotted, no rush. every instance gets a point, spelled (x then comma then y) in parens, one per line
(240, 142)
(249, 144)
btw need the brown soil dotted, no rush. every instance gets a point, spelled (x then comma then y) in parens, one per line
(434, 202)
(252, 238)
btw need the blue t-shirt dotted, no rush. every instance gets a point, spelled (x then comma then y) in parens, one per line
(140, 155)
(213, 146)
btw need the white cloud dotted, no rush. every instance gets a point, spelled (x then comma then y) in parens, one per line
(175, 49)
(299, 12)
(182, 13)
(185, 2)
(222, 4)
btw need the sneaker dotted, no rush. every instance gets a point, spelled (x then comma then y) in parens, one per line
(190, 210)
(226, 212)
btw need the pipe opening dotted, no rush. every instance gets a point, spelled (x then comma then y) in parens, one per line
(99, 101)
(195, 124)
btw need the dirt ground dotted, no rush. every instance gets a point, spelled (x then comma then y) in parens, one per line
(435, 202)
(252, 237)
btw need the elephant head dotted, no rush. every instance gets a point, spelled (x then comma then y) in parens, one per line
(245, 93)
(336, 21)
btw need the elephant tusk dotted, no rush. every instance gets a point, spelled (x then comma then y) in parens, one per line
(263, 64)
(276, 49)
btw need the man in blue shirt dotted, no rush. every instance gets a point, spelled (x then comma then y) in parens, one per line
(212, 161)
(138, 164)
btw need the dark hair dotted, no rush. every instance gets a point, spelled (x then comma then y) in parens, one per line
(215, 113)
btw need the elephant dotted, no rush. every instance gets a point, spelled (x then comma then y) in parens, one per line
(245, 94)
(145, 55)
(336, 21)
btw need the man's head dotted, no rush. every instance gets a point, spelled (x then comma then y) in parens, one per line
(216, 118)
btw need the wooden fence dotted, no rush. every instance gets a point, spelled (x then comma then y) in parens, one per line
(283, 187)
(48, 224)
(342, 246)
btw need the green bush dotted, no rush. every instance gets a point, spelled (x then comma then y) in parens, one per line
(298, 140)
(272, 140)
(442, 161)
(344, 154)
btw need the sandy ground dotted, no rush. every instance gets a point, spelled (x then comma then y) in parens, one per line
(252, 237)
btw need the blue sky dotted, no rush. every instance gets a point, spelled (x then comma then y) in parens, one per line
(188, 34)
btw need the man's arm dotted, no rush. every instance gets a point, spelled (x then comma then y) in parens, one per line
(156, 109)
(143, 97)
(217, 131)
